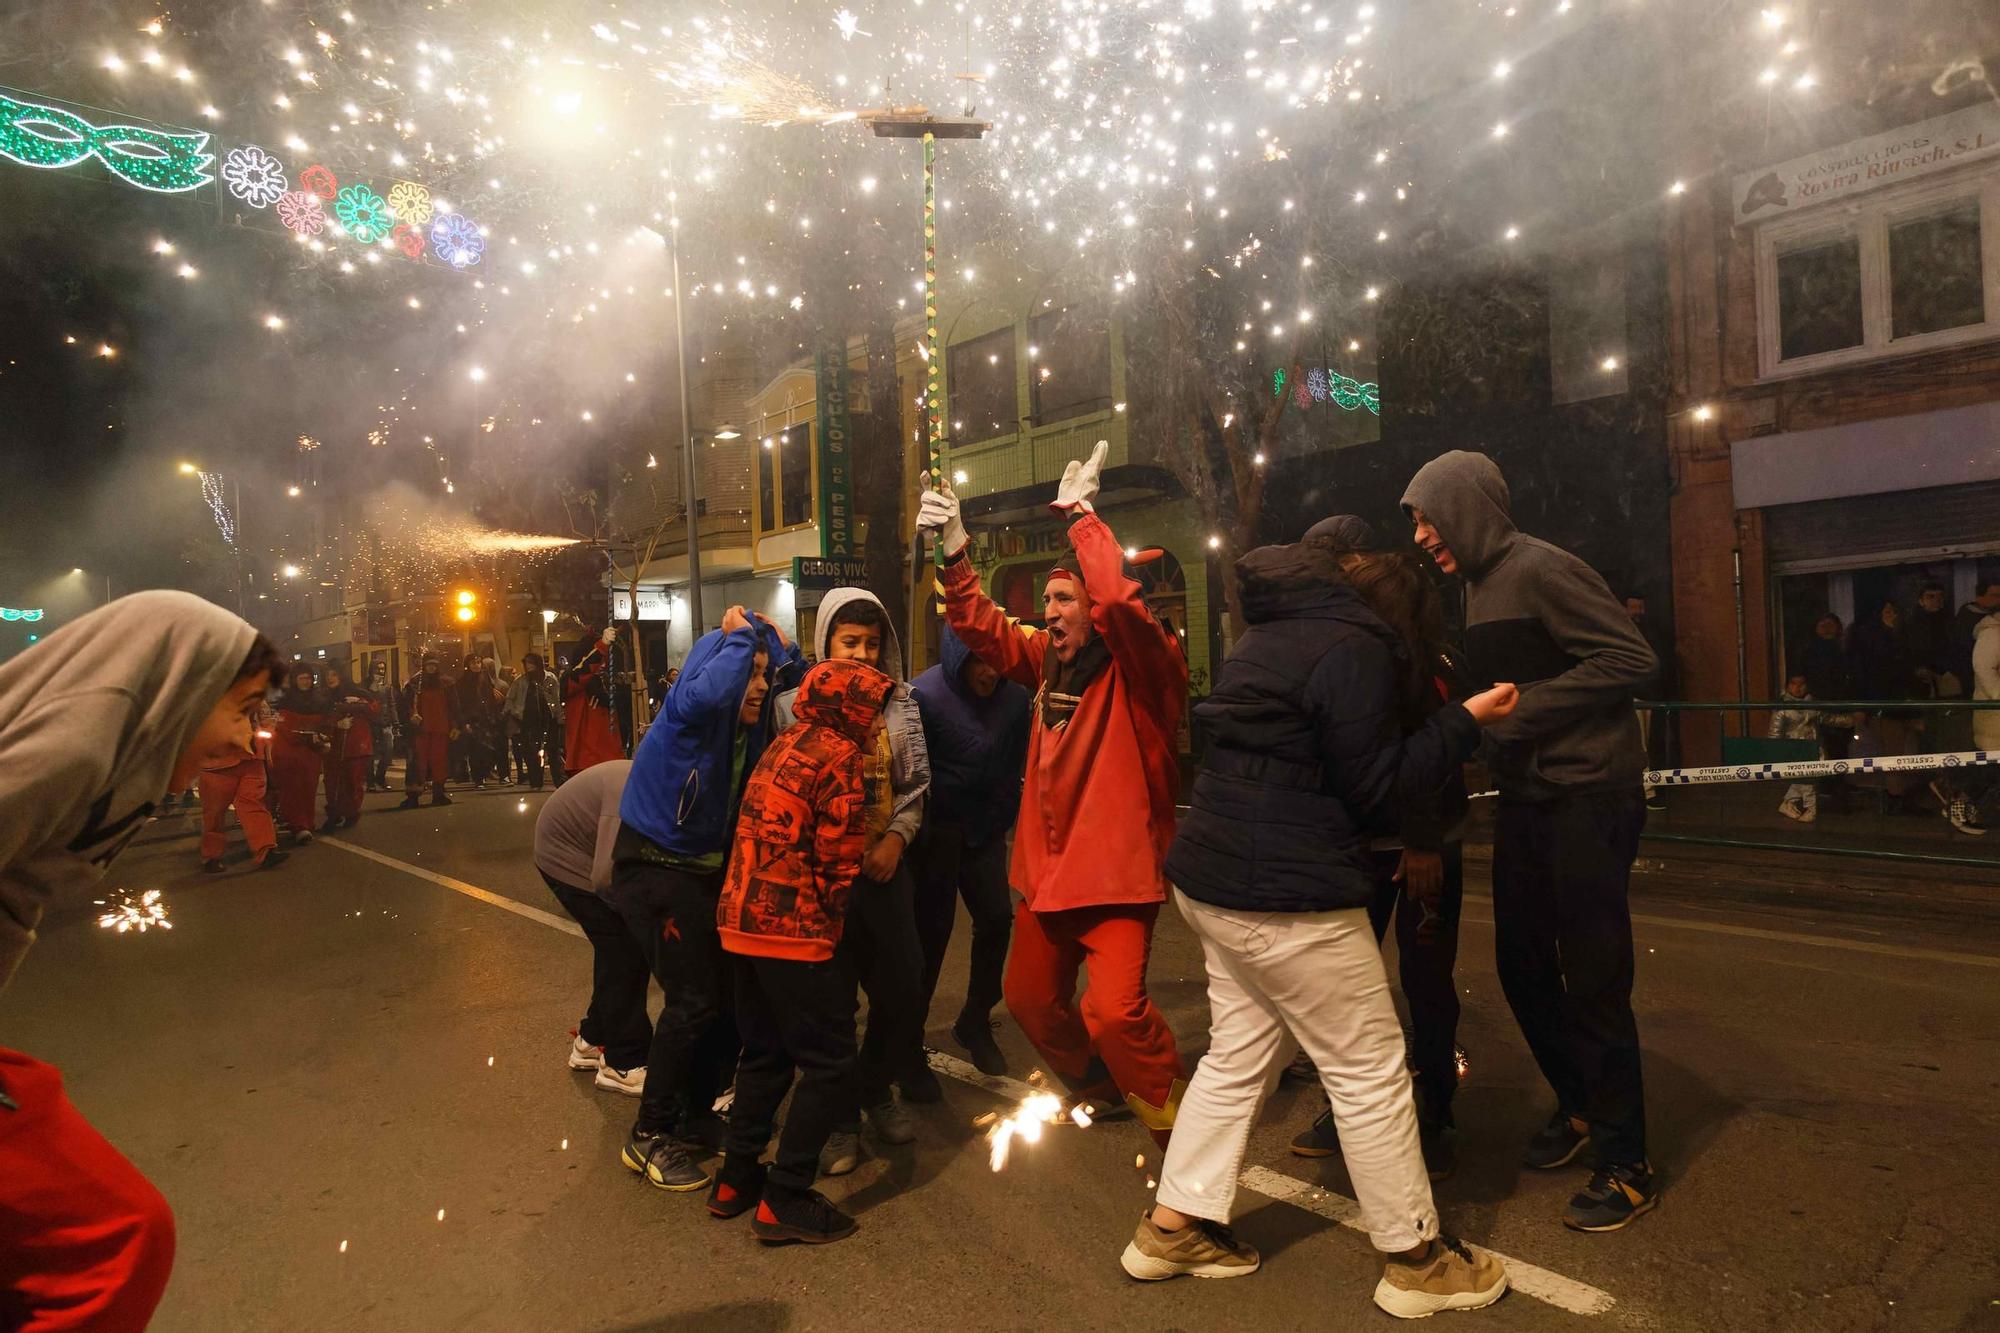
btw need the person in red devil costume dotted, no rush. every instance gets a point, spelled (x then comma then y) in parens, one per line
(298, 748)
(427, 712)
(1097, 806)
(590, 728)
(353, 710)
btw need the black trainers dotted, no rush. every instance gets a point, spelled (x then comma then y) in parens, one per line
(801, 1215)
(1320, 1139)
(1557, 1143)
(409, 803)
(975, 1034)
(738, 1188)
(1615, 1195)
(919, 1084)
(273, 859)
(211, 867)
(1440, 1146)
(664, 1161)
(441, 799)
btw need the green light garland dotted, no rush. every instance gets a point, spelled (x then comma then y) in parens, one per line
(150, 159)
(364, 213)
(1330, 386)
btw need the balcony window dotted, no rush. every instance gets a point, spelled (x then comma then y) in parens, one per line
(1069, 364)
(981, 402)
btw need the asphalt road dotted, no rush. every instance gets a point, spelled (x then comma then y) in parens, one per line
(348, 1078)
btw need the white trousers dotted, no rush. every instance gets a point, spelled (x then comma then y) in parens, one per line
(1315, 979)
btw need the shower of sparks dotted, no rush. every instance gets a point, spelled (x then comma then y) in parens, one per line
(735, 85)
(1036, 1110)
(493, 543)
(124, 913)
(849, 24)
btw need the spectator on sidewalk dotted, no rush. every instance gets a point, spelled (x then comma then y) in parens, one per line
(97, 723)
(574, 837)
(388, 725)
(1823, 662)
(1569, 765)
(1930, 635)
(1884, 672)
(531, 713)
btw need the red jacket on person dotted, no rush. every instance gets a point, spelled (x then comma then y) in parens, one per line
(1097, 806)
(802, 827)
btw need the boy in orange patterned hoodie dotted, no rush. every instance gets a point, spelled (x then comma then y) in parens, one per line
(799, 842)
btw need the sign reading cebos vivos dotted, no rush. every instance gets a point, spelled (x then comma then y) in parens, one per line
(1867, 164)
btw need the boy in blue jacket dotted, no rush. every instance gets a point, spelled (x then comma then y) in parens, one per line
(676, 820)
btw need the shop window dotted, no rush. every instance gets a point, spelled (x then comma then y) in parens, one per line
(1069, 364)
(1907, 270)
(980, 384)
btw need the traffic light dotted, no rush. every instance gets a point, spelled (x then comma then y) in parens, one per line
(468, 605)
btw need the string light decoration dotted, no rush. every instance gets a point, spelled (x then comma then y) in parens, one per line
(320, 179)
(364, 213)
(1330, 386)
(20, 613)
(411, 203)
(36, 135)
(211, 494)
(456, 240)
(254, 176)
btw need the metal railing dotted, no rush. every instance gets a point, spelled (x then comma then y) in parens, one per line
(1880, 774)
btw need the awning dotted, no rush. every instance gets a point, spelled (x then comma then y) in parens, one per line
(1917, 452)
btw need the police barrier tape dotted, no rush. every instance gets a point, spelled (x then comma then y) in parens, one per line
(1816, 768)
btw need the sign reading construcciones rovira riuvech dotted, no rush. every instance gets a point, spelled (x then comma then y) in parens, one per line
(836, 458)
(1867, 164)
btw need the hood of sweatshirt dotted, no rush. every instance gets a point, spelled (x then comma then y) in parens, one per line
(91, 721)
(1465, 498)
(846, 696)
(1288, 582)
(1345, 532)
(953, 656)
(892, 647)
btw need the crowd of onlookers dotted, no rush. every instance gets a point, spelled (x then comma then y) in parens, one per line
(1891, 656)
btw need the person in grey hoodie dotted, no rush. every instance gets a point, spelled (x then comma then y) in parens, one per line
(98, 723)
(1568, 763)
(881, 941)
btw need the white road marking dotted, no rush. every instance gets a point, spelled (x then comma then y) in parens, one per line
(1552, 1288)
(498, 900)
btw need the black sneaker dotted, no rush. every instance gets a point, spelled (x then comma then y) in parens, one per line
(921, 1085)
(273, 859)
(211, 867)
(975, 1034)
(442, 799)
(1557, 1143)
(1440, 1146)
(738, 1189)
(802, 1215)
(1615, 1195)
(330, 826)
(409, 803)
(664, 1162)
(1320, 1139)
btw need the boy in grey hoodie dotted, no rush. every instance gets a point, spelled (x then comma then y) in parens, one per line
(98, 723)
(1569, 764)
(881, 939)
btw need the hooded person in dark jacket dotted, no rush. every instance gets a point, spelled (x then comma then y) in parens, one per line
(1568, 763)
(676, 820)
(1271, 869)
(976, 730)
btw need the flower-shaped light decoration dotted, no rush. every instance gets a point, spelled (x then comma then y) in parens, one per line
(411, 202)
(456, 240)
(320, 180)
(408, 239)
(364, 213)
(300, 210)
(254, 176)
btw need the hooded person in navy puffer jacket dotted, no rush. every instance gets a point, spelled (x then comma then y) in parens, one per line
(976, 730)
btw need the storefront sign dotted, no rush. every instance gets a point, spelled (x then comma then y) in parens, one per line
(836, 458)
(819, 575)
(1866, 164)
(653, 604)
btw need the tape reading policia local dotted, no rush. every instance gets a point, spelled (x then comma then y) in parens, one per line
(1816, 768)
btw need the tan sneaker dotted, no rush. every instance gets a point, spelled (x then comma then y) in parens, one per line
(1455, 1276)
(1203, 1249)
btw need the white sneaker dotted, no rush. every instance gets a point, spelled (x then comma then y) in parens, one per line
(1962, 818)
(1792, 810)
(582, 1055)
(631, 1082)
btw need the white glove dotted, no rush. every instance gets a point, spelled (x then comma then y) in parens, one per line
(610, 634)
(937, 512)
(344, 723)
(1079, 482)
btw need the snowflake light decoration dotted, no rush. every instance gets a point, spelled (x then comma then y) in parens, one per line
(254, 176)
(300, 210)
(320, 180)
(411, 202)
(455, 238)
(364, 213)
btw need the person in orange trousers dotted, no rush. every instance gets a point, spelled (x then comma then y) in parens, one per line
(1097, 805)
(298, 747)
(238, 781)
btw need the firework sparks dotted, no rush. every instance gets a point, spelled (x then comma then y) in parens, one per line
(1036, 1110)
(492, 543)
(124, 913)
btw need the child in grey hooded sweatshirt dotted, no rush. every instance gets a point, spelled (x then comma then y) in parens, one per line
(98, 723)
(881, 936)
